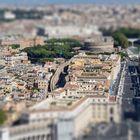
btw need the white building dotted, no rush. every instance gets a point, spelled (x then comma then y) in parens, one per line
(38, 131)
(70, 31)
(9, 15)
(65, 118)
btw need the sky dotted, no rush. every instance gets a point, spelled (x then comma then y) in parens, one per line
(31, 2)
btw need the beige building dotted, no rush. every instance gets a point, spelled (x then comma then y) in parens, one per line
(43, 84)
(94, 74)
(72, 114)
(100, 44)
(70, 117)
(22, 41)
(13, 59)
(8, 88)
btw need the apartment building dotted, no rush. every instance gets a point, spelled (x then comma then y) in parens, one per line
(43, 84)
(12, 60)
(23, 42)
(27, 132)
(94, 74)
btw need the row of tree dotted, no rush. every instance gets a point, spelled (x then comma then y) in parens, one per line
(54, 48)
(121, 35)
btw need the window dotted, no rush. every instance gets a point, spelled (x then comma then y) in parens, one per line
(111, 119)
(111, 110)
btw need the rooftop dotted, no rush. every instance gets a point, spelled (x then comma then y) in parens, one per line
(58, 104)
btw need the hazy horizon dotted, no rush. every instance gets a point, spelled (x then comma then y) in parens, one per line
(20, 2)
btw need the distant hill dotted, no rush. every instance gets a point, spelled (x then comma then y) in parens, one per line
(32, 2)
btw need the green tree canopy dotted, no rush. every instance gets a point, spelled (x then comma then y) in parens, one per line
(15, 46)
(121, 39)
(121, 34)
(2, 117)
(54, 48)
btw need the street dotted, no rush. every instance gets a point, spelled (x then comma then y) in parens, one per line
(131, 89)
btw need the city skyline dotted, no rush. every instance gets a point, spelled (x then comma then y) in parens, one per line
(69, 2)
(69, 69)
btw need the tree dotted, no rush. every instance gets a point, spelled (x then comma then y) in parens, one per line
(2, 117)
(121, 39)
(54, 48)
(130, 32)
(15, 46)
